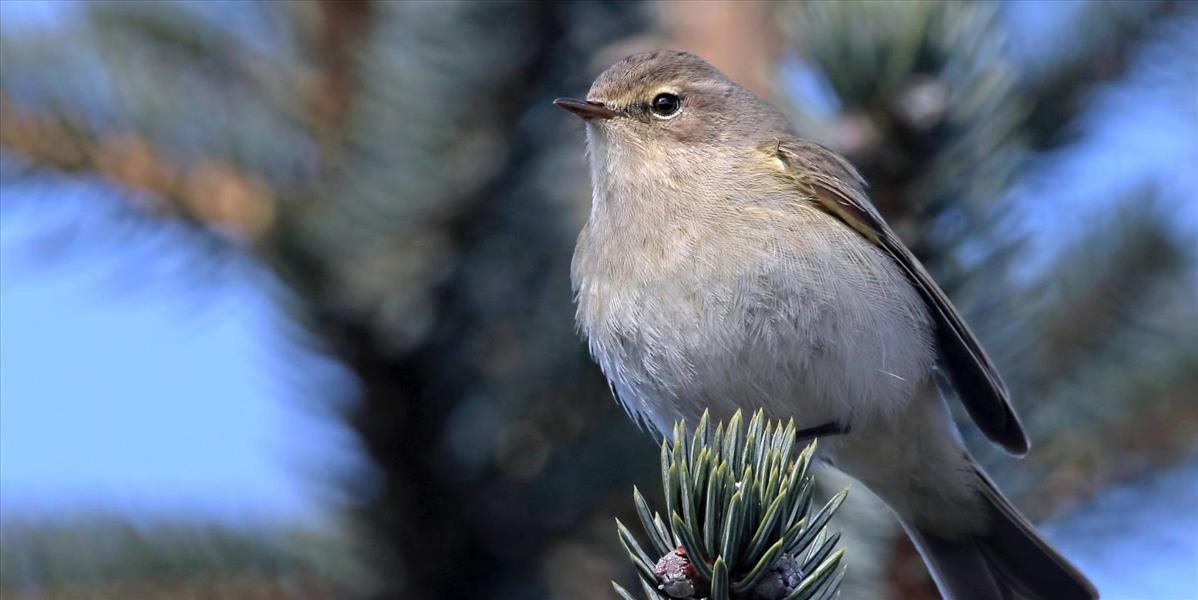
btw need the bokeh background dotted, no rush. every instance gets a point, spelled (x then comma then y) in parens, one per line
(285, 308)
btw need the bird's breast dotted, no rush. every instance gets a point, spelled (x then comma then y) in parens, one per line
(791, 311)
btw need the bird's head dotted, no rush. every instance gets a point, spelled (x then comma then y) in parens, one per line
(663, 101)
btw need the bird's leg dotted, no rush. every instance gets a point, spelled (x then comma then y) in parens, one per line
(824, 430)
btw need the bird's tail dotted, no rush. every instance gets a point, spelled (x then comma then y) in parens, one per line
(1008, 561)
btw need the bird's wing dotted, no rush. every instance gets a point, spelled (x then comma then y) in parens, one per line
(836, 186)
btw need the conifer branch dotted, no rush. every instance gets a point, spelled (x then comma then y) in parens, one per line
(739, 523)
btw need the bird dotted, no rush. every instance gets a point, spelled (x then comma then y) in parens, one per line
(727, 263)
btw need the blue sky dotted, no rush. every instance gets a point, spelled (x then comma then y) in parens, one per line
(131, 381)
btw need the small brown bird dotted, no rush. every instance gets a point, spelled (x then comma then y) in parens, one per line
(728, 264)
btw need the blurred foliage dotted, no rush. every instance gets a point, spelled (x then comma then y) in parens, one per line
(104, 556)
(398, 166)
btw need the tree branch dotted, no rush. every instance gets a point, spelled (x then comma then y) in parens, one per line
(210, 192)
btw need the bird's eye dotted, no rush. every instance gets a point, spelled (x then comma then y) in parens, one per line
(666, 105)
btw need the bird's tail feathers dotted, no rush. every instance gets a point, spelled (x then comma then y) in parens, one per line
(1009, 561)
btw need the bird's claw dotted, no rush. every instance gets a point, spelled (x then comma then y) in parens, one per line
(825, 430)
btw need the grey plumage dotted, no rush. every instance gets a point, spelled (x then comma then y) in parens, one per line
(728, 264)
(1007, 561)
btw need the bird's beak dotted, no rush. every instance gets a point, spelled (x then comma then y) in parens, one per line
(586, 109)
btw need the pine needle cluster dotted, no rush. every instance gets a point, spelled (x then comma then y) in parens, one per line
(739, 523)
